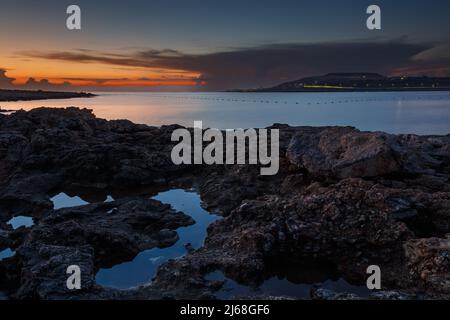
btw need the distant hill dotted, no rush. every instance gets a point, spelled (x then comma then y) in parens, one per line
(335, 82)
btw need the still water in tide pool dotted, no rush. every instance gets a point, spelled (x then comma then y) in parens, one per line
(144, 266)
(21, 221)
(6, 253)
(280, 286)
(393, 112)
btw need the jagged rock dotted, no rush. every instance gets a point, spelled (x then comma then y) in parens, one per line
(325, 294)
(44, 269)
(89, 236)
(429, 262)
(342, 197)
(115, 235)
(343, 152)
(392, 295)
(85, 150)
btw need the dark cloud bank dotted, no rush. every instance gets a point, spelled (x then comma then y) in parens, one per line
(269, 65)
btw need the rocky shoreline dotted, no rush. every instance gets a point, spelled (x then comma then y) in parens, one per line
(27, 95)
(343, 198)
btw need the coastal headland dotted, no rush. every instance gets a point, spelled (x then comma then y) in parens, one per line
(359, 82)
(26, 95)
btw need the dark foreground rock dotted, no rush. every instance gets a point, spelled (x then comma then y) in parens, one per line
(90, 236)
(343, 198)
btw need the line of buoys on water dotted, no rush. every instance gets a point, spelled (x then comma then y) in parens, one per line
(346, 101)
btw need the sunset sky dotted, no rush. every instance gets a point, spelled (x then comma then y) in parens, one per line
(215, 45)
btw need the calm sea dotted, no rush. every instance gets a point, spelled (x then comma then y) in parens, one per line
(394, 112)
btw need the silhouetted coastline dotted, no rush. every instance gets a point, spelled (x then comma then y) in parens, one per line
(27, 95)
(359, 82)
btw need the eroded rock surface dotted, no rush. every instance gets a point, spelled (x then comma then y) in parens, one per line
(342, 197)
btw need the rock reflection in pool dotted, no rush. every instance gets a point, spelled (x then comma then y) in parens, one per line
(277, 286)
(21, 221)
(144, 266)
(7, 253)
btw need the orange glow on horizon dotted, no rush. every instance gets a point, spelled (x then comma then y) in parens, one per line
(96, 74)
(172, 78)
